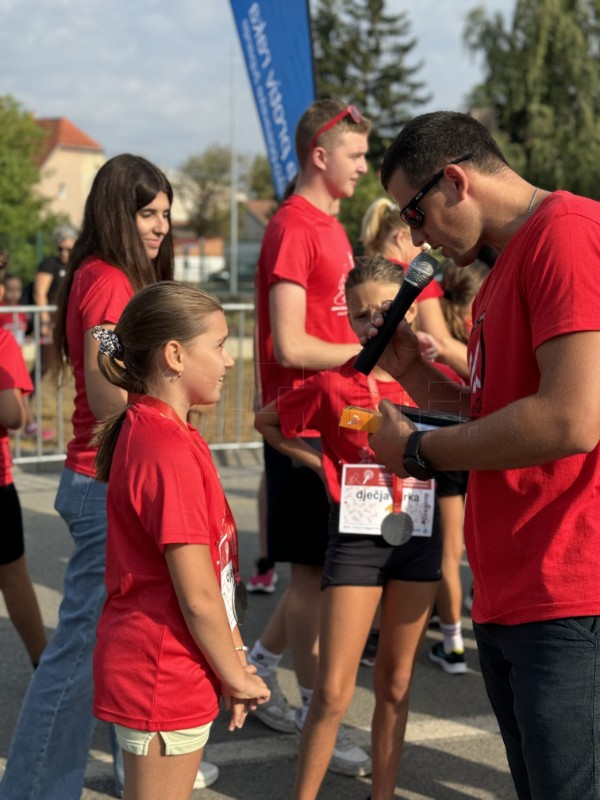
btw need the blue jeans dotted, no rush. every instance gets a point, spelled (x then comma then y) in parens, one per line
(543, 681)
(49, 750)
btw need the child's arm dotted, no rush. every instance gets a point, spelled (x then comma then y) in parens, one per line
(201, 604)
(268, 423)
(12, 409)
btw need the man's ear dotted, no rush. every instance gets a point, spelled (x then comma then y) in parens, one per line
(1, 292)
(318, 157)
(458, 178)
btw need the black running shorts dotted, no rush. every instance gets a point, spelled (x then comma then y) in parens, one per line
(12, 543)
(297, 510)
(356, 560)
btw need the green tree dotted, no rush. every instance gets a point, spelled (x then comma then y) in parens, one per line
(204, 188)
(361, 56)
(542, 85)
(353, 208)
(260, 180)
(24, 219)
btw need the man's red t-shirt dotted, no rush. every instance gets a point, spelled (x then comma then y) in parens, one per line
(149, 673)
(533, 534)
(99, 294)
(308, 247)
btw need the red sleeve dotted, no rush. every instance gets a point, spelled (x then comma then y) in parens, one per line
(300, 409)
(104, 294)
(289, 255)
(432, 290)
(562, 283)
(13, 370)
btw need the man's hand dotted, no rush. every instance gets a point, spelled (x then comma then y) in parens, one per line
(403, 350)
(389, 442)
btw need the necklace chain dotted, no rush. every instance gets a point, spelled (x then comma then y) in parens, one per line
(530, 206)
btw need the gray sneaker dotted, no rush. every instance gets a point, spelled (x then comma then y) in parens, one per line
(277, 712)
(348, 758)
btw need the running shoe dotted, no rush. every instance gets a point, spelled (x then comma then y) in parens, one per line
(207, 774)
(31, 431)
(276, 713)
(348, 758)
(264, 580)
(453, 663)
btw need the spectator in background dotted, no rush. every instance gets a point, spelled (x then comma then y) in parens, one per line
(18, 325)
(15, 583)
(460, 285)
(49, 278)
(45, 290)
(13, 291)
(384, 233)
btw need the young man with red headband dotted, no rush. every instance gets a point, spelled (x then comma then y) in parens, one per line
(302, 329)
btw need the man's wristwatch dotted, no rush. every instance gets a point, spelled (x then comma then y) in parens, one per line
(413, 461)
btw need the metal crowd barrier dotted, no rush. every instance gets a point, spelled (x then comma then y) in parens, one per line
(226, 427)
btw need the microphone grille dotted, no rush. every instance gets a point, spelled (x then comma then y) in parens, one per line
(421, 270)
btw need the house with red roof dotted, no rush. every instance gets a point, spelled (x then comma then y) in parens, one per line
(68, 161)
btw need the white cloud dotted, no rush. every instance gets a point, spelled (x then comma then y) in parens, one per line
(155, 79)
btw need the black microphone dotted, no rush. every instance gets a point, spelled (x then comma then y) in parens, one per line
(419, 273)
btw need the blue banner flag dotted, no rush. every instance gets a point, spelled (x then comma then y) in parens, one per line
(276, 40)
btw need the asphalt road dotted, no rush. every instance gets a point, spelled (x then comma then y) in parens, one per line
(453, 749)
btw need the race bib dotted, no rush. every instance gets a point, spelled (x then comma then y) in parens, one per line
(228, 592)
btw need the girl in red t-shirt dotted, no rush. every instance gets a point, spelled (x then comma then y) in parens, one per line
(125, 244)
(15, 582)
(168, 644)
(361, 569)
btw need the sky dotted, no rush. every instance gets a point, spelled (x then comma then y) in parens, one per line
(155, 78)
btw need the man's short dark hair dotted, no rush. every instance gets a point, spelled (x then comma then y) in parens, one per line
(431, 141)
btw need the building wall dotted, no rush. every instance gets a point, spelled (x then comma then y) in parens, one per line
(67, 177)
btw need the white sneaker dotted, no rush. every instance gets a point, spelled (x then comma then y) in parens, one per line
(277, 712)
(348, 758)
(207, 775)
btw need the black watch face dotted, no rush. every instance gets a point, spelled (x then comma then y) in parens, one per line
(416, 470)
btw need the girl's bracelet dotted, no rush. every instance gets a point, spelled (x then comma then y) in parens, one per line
(242, 647)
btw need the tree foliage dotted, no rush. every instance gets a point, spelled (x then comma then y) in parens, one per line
(260, 179)
(361, 56)
(24, 219)
(204, 188)
(542, 83)
(353, 208)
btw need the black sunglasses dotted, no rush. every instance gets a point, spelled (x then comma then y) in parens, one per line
(411, 213)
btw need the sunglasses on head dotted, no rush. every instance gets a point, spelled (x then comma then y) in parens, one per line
(350, 111)
(411, 214)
